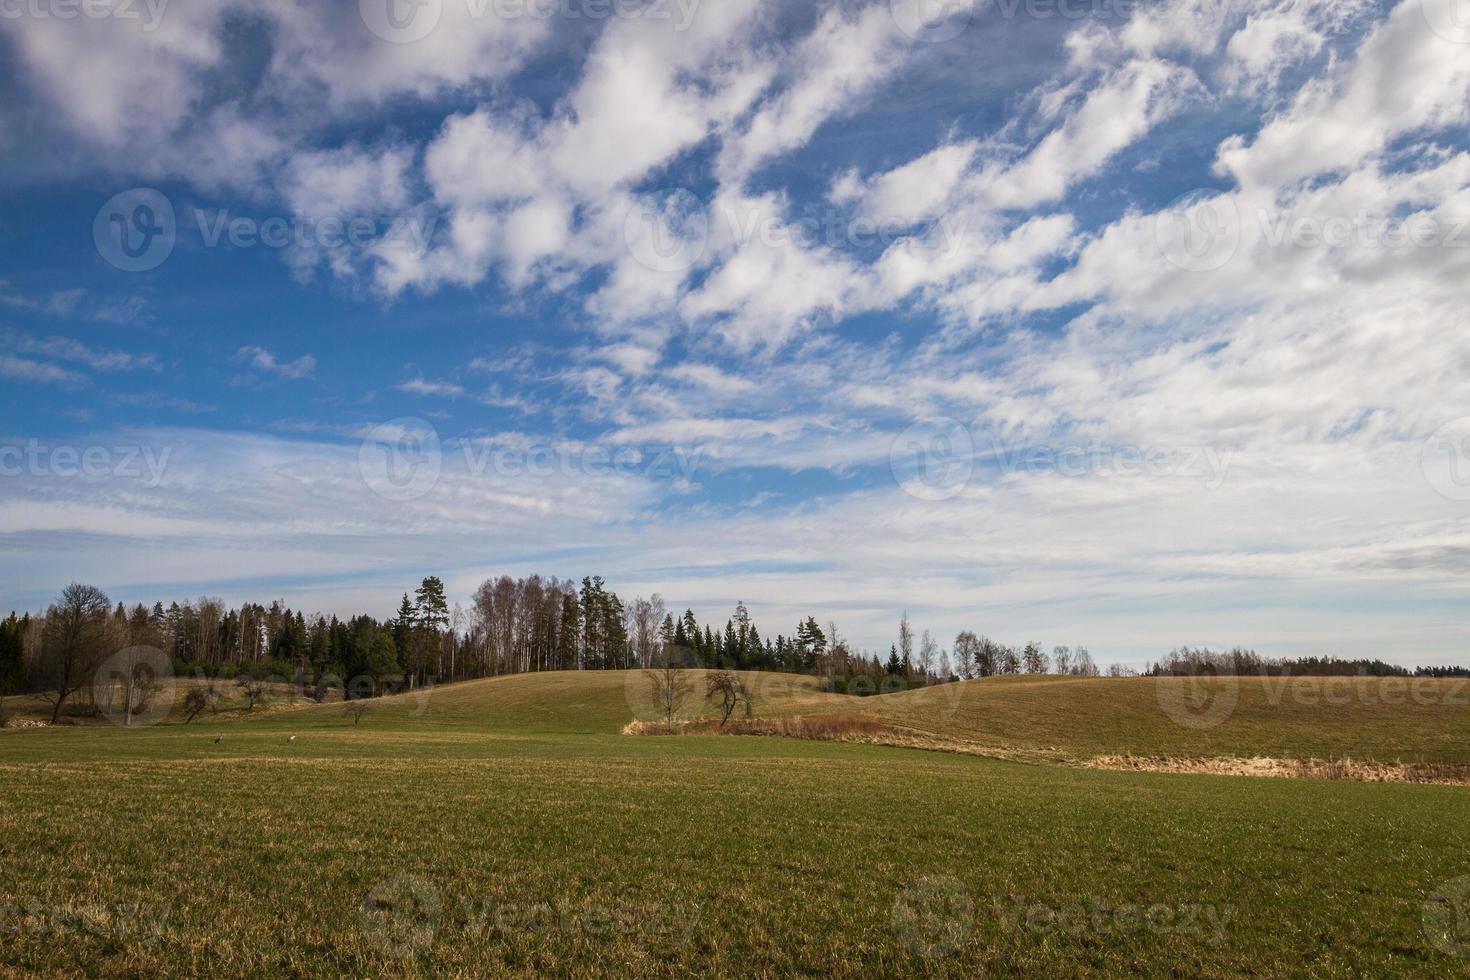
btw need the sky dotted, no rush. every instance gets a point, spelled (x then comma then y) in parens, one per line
(1122, 324)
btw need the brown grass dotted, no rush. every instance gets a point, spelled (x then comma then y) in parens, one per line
(1445, 774)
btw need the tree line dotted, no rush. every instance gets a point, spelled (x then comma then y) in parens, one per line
(1192, 661)
(532, 623)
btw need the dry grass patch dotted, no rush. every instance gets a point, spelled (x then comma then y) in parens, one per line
(1338, 769)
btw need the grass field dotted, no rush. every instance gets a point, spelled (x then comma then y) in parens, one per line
(505, 827)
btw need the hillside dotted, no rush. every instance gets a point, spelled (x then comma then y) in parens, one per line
(1384, 719)
(1038, 719)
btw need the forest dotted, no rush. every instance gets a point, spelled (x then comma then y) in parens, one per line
(527, 624)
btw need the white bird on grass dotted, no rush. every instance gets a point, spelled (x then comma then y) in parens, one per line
(291, 739)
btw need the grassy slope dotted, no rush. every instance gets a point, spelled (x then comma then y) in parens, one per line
(550, 843)
(1388, 720)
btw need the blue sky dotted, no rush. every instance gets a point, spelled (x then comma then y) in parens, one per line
(1121, 324)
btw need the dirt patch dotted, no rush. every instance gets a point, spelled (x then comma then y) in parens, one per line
(825, 728)
(1340, 769)
(843, 728)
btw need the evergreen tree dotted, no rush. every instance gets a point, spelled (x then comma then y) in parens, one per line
(567, 653)
(403, 629)
(431, 609)
(12, 652)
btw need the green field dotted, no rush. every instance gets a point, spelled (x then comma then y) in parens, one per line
(506, 827)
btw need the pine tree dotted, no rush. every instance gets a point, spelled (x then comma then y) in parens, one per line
(431, 608)
(571, 631)
(403, 629)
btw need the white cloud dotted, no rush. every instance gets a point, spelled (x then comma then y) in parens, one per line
(263, 360)
(25, 369)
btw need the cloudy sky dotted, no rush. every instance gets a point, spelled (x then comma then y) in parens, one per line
(1128, 324)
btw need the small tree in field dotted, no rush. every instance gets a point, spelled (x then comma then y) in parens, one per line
(671, 686)
(253, 690)
(731, 692)
(198, 700)
(73, 643)
(355, 710)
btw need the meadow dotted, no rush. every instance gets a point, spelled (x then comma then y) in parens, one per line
(506, 827)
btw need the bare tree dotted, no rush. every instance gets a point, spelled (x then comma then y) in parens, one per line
(967, 654)
(1061, 658)
(1082, 664)
(644, 617)
(355, 710)
(928, 651)
(133, 677)
(199, 699)
(732, 693)
(73, 643)
(253, 690)
(671, 686)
